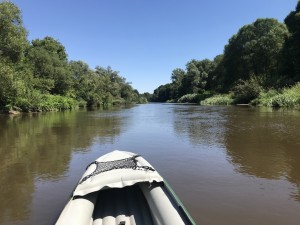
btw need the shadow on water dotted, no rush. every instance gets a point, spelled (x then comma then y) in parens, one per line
(39, 147)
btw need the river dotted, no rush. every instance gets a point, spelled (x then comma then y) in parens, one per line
(228, 165)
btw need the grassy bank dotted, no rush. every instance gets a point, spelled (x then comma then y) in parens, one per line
(225, 99)
(287, 97)
(37, 102)
(42, 102)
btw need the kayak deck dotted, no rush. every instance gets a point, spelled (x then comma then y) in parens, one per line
(126, 206)
(139, 204)
(122, 188)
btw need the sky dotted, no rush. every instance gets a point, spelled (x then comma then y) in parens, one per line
(145, 40)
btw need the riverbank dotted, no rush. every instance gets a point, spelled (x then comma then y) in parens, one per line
(41, 103)
(56, 103)
(286, 97)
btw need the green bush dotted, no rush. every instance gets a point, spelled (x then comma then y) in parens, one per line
(24, 104)
(107, 99)
(82, 103)
(264, 98)
(284, 100)
(288, 97)
(225, 99)
(142, 100)
(45, 102)
(118, 101)
(189, 98)
(246, 91)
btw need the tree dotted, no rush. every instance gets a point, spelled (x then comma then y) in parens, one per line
(15, 85)
(162, 93)
(293, 44)
(101, 86)
(50, 67)
(52, 46)
(147, 96)
(205, 68)
(255, 50)
(15, 78)
(82, 81)
(197, 73)
(217, 70)
(112, 82)
(13, 36)
(192, 79)
(177, 77)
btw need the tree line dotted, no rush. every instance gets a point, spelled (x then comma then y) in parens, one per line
(37, 75)
(261, 58)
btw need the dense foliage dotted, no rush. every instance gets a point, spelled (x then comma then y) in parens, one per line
(261, 56)
(37, 75)
(287, 97)
(292, 47)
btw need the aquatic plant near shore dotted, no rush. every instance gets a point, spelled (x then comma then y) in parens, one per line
(288, 97)
(225, 99)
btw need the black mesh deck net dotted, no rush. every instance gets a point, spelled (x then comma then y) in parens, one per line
(127, 163)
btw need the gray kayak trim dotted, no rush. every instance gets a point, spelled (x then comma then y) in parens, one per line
(179, 203)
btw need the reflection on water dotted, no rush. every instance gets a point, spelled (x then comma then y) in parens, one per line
(260, 142)
(202, 125)
(265, 144)
(38, 147)
(229, 165)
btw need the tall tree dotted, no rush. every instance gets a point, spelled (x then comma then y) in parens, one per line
(15, 78)
(217, 69)
(192, 79)
(293, 44)
(82, 81)
(15, 84)
(50, 66)
(162, 93)
(196, 76)
(177, 77)
(13, 36)
(254, 51)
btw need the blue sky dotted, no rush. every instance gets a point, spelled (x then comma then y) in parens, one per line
(144, 39)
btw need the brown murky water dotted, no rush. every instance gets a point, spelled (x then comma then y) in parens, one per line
(228, 165)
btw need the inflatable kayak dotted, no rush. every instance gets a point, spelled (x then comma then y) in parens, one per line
(122, 188)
